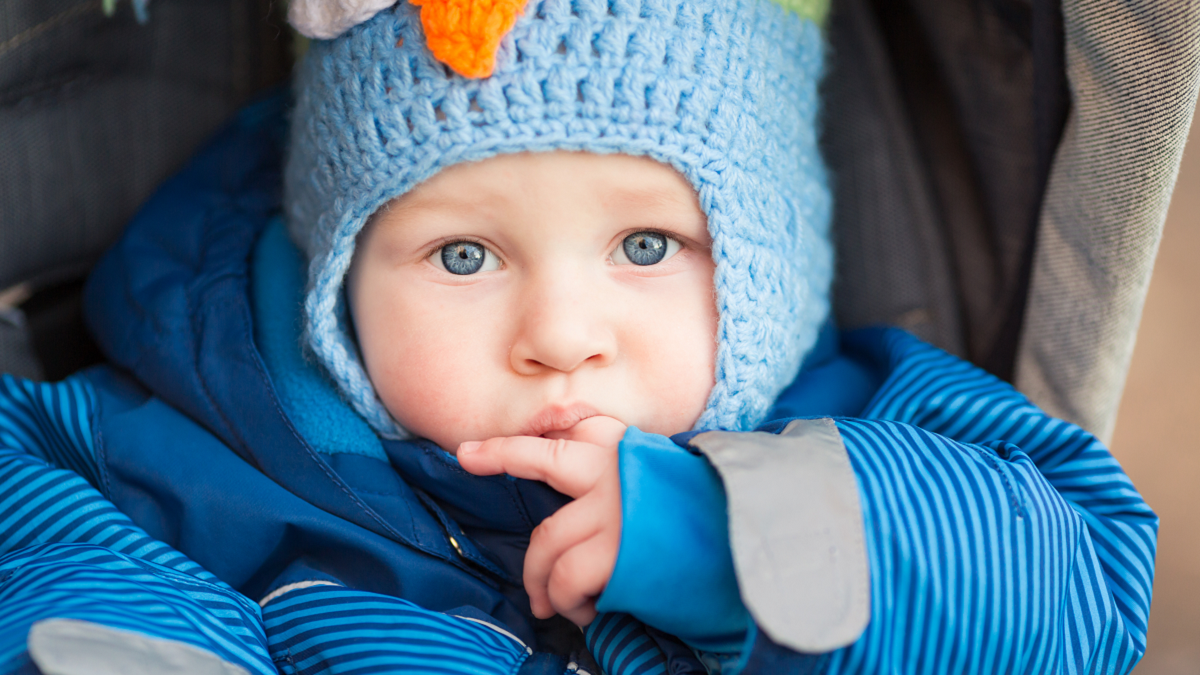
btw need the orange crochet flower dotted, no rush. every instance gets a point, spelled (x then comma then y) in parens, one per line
(465, 34)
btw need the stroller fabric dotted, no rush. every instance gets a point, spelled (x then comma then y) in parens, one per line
(1001, 172)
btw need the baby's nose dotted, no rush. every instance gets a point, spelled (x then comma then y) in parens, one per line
(563, 330)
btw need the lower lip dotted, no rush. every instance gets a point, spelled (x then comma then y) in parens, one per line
(559, 420)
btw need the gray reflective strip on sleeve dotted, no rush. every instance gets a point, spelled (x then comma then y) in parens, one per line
(796, 529)
(74, 647)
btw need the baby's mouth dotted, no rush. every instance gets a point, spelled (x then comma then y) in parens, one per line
(556, 421)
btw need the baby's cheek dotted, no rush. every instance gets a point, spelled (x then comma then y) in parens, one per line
(679, 385)
(431, 398)
(685, 404)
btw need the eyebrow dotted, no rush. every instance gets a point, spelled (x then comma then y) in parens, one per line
(642, 197)
(459, 206)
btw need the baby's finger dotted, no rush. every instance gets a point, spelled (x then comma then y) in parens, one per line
(580, 575)
(600, 430)
(570, 467)
(569, 526)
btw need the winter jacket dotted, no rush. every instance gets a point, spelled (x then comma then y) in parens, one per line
(902, 511)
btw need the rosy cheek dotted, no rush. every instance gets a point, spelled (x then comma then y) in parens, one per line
(680, 379)
(689, 394)
(444, 370)
(697, 339)
(424, 379)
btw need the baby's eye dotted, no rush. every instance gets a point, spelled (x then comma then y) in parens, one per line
(465, 257)
(645, 248)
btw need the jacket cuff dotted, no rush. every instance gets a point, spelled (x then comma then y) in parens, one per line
(674, 569)
(797, 533)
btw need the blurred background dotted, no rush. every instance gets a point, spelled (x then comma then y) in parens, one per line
(1157, 439)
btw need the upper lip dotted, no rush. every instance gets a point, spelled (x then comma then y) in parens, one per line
(557, 418)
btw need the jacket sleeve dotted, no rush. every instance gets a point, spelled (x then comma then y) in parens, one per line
(994, 538)
(76, 571)
(51, 421)
(315, 624)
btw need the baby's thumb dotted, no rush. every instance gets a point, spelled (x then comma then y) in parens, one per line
(600, 430)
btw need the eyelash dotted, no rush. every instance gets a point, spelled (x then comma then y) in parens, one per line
(446, 241)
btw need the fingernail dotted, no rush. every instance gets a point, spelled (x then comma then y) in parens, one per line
(468, 447)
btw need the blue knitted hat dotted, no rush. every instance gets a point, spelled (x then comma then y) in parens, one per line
(724, 91)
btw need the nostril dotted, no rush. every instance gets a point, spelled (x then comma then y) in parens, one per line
(561, 342)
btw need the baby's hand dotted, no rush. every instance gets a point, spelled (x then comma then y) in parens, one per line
(572, 553)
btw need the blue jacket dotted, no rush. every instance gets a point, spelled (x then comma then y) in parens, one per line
(209, 470)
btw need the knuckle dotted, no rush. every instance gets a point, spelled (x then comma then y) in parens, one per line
(562, 587)
(547, 532)
(557, 450)
(570, 575)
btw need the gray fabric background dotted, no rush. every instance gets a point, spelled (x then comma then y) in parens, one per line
(893, 263)
(96, 111)
(16, 354)
(938, 126)
(1134, 68)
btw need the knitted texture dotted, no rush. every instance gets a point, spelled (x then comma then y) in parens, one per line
(724, 91)
(327, 19)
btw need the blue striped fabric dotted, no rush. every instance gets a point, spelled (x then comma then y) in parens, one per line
(622, 646)
(332, 629)
(68, 553)
(94, 584)
(51, 421)
(1029, 554)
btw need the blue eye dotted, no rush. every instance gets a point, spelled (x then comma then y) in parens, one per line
(645, 248)
(466, 257)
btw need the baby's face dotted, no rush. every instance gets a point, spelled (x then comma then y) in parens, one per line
(525, 293)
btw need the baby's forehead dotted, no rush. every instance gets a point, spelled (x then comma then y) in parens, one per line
(612, 183)
(624, 175)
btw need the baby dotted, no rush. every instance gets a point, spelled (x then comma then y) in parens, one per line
(528, 297)
(564, 362)
(554, 296)
(624, 225)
